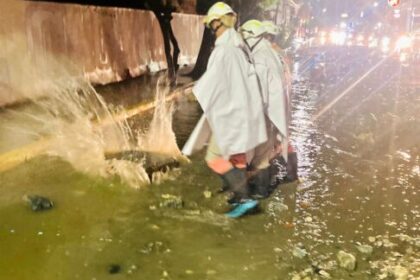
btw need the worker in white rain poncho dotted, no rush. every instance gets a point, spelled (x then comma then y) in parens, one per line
(270, 71)
(228, 93)
(271, 32)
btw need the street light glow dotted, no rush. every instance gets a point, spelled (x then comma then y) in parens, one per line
(385, 42)
(338, 38)
(404, 42)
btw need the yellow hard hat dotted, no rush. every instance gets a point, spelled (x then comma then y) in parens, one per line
(216, 12)
(252, 28)
(271, 27)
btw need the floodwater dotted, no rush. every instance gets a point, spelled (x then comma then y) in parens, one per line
(359, 193)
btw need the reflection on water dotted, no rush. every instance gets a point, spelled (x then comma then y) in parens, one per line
(358, 194)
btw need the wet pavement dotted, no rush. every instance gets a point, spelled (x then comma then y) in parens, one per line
(359, 193)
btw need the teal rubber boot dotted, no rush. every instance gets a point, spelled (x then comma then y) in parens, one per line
(242, 208)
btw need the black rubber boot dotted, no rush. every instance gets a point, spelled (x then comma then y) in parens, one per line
(237, 184)
(261, 183)
(292, 167)
(225, 185)
(275, 172)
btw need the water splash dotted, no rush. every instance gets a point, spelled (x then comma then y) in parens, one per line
(160, 138)
(80, 127)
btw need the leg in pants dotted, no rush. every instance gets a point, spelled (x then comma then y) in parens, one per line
(232, 171)
(260, 165)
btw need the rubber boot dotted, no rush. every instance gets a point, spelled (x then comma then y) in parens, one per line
(242, 208)
(225, 185)
(238, 184)
(262, 184)
(292, 167)
(274, 170)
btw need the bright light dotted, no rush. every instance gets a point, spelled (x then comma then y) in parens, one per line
(404, 42)
(344, 15)
(338, 38)
(373, 42)
(393, 3)
(385, 44)
(385, 41)
(397, 15)
(324, 10)
(403, 57)
(333, 36)
(375, 4)
(343, 25)
(362, 14)
(360, 40)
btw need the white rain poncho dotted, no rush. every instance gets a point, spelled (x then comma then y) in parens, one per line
(229, 95)
(270, 72)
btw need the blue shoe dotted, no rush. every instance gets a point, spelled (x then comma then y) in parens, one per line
(242, 208)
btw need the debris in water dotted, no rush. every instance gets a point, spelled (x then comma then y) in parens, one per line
(207, 194)
(346, 260)
(365, 249)
(304, 204)
(171, 201)
(114, 268)
(324, 274)
(155, 247)
(153, 162)
(308, 219)
(299, 252)
(371, 239)
(289, 225)
(38, 203)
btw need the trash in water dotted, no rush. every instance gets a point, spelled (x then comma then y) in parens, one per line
(346, 260)
(114, 268)
(38, 203)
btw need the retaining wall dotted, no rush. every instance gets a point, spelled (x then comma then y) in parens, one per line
(110, 44)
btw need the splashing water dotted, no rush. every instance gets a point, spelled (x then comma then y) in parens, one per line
(160, 138)
(66, 110)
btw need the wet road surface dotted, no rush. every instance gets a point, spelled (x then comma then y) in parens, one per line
(359, 193)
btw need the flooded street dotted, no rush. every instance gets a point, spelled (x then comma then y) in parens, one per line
(358, 146)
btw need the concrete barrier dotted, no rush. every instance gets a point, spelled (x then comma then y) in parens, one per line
(108, 44)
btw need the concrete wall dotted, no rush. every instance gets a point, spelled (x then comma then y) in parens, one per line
(108, 44)
(11, 16)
